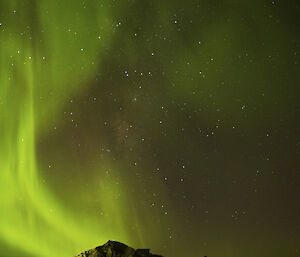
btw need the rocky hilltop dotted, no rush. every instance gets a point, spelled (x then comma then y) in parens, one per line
(116, 249)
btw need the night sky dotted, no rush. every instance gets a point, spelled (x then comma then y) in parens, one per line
(171, 125)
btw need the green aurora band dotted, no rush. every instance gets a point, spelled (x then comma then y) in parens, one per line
(33, 65)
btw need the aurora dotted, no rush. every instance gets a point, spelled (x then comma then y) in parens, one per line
(164, 124)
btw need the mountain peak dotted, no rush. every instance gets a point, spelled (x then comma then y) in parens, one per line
(116, 249)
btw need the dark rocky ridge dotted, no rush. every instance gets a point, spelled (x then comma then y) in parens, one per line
(116, 249)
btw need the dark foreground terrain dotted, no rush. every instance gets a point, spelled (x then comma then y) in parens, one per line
(116, 249)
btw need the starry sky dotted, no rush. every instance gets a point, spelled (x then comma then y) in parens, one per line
(171, 125)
